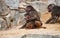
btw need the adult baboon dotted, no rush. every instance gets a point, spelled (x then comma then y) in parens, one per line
(55, 13)
(32, 18)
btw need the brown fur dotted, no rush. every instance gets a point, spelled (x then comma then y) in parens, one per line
(32, 18)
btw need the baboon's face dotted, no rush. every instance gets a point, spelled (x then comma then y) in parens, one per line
(28, 9)
(50, 7)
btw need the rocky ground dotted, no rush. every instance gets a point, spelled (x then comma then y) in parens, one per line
(15, 32)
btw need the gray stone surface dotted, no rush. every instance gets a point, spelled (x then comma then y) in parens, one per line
(39, 6)
(40, 36)
(17, 17)
(13, 4)
(57, 2)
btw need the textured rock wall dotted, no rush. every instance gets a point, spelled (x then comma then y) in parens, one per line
(3, 12)
(9, 14)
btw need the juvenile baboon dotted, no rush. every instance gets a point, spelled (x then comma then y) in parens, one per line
(32, 18)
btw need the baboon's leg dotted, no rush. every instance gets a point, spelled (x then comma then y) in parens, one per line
(26, 25)
(23, 26)
(55, 18)
(49, 20)
(52, 19)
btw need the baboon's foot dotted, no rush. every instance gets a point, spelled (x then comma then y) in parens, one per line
(47, 22)
(52, 22)
(41, 27)
(21, 27)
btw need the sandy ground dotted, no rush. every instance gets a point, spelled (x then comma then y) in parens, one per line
(15, 32)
